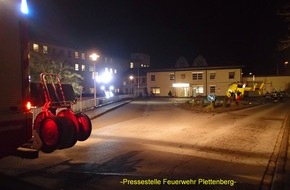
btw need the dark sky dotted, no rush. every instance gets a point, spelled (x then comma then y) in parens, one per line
(243, 32)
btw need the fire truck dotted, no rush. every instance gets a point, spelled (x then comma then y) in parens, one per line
(15, 115)
(56, 126)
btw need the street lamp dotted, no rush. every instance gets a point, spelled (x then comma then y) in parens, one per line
(277, 67)
(131, 78)
(94, 58)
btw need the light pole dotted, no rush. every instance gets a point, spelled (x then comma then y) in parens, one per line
(277, 67)
(94, 58)
(131, 79)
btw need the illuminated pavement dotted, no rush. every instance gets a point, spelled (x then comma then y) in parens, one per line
(156, 140)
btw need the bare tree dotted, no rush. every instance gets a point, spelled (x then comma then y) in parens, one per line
(284, 13)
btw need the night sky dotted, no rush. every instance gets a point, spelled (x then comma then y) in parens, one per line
(232, 32)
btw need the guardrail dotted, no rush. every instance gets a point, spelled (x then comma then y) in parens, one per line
(86, 104)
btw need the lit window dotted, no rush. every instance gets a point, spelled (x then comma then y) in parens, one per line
(212, 89)
(231, 75)
(83, 67)
(212, 76)
(45, 49)
(155, 90)
(198, 89)
(131, 65)
(36, 47)
(76, 67)
(83, 56)
(115, 71)
(197, 76)
(76, 54)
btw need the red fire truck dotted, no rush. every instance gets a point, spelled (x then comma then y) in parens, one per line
(15, 115)
(56, 126)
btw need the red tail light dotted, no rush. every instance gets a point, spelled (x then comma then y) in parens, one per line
(27, 106)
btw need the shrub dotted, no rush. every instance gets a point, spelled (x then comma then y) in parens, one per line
(209, 108)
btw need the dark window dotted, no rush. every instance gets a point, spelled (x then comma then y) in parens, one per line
(212, 76)
(196, 76)
(152, 77)
(171, 76)
(212, 89)
(231, 75)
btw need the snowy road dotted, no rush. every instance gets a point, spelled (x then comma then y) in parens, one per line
(154, 144)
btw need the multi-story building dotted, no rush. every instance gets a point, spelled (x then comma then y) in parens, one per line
(106, 70)
(134, 78)
(191, 82)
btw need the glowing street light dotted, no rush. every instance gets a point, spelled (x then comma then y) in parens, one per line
(94, 58)
(277, 66)
(131, 79)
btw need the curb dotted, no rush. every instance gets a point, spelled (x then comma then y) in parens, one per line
(280, 171)
(108, 110)
(273, 177)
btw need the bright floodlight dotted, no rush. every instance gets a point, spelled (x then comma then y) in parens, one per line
(106, 77)
(24, 7)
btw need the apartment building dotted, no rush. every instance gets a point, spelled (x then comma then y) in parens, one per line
(134, 78)
(81, 63)
(192, 82)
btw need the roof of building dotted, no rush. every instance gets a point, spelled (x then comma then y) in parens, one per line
(196, 68)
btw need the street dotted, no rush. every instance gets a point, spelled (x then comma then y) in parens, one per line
(155, 144)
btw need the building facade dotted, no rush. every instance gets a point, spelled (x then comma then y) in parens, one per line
(105, 70)
(134, 77)
(192, 82)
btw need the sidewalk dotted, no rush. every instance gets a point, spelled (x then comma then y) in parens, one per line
(281, 176)
(286, 177)
(105, 108)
